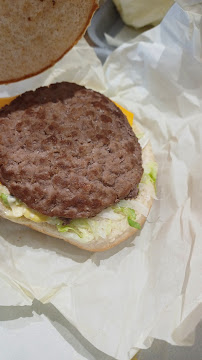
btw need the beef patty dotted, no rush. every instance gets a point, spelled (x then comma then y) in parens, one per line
(68, 151)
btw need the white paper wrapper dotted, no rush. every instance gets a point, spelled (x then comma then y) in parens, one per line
(149, 287)
(124, 35)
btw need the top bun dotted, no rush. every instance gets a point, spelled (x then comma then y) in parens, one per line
(35, 34)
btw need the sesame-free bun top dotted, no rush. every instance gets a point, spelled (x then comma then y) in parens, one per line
(35, 34)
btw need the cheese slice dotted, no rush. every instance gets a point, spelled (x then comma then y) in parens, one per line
(6, 101)
(128, 114)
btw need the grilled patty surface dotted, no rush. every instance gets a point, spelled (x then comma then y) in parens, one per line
(68, 151)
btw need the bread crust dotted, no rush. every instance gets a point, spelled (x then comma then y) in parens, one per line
(50, 63)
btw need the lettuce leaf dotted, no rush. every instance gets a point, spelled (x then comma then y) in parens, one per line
(77, 226)
(152, 165)
(65, 228)
(130, 214)
(150, 173)
(134, 224)
(4, 199)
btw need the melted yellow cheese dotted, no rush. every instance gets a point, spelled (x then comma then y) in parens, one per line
(35, 216)
(128, 114)
(6, 101)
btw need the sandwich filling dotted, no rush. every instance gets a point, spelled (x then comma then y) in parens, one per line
(124, 213)
(69, 158)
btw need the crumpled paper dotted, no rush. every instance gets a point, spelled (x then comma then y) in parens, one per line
(151, 286)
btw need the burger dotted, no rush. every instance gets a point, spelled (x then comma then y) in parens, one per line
(72, 167)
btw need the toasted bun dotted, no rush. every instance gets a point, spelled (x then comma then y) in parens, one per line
(35, 34)
(98, 244)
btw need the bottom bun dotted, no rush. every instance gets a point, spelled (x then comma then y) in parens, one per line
(97, 245)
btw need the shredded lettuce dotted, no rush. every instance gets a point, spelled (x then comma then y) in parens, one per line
(78, 226)
(82, 223)
(152, 165)
(140, 135)
(143, 141)
(153, 169)
(87, 229)
(130, 214)
(4, 199)
(65, 228)
(150, 173)
(134, 224)
(138, 206)
(109, 214)
(99, 226)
